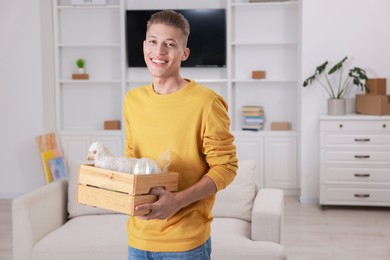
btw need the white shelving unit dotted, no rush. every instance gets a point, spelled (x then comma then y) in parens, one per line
(260, 36)
(264, 36)
(96, 34)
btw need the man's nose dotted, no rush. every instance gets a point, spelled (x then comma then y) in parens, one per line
(161, 49)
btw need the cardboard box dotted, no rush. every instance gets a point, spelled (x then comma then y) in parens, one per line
(280, 126)
(372, 104)
(80, 76)
(112, 125)
(376, 86)
(258, 74)
(120, 191)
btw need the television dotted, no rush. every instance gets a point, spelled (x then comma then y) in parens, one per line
(207, 40)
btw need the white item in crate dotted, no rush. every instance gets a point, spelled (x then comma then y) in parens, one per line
(104, 159)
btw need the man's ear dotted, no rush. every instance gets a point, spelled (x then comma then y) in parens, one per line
(186, 54)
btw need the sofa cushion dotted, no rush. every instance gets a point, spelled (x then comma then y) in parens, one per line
(74, 208)
(230, 240)
(98, 237)
(237, 199)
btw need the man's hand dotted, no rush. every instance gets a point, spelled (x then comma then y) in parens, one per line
(165, 206)
(168, 203)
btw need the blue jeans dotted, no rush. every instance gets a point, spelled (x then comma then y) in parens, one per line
(202, 252)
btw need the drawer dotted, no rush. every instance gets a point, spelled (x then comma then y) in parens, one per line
(359, 156)
(378, 125)
(354, 196)
(340, 174)
(356, 139)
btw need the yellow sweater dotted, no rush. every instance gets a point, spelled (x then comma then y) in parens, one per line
(192, 123)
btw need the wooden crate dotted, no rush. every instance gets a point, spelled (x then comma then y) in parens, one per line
(119, 191)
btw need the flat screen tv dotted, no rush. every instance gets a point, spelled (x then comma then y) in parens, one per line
(207, 40)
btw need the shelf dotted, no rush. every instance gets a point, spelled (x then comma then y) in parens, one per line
(75, 7)
(70, 81)
(262, 4)
(264, 81)
(88, 45)
(78, 132)
(248, 43)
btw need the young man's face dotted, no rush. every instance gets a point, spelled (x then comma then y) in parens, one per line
(164, 50)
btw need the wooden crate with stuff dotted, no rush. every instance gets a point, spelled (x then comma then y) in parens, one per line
(105, 187)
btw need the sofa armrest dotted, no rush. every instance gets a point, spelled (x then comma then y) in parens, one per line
(36, 214)
(267, 215)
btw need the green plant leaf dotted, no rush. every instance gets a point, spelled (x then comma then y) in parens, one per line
(359, 78)
(319, 70)
(80, 63)
(338, 66)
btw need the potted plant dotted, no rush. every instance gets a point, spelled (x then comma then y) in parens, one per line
(80, 63)
(337, 85)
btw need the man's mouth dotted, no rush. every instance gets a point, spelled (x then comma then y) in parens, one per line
(159, 61)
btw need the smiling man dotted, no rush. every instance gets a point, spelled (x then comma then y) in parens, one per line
(192, 122)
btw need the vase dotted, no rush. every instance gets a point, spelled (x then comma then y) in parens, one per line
(337, 107)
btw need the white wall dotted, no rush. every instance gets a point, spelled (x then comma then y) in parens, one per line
(21, 96)
(332, 29)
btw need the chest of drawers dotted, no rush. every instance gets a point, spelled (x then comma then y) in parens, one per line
(355, 160)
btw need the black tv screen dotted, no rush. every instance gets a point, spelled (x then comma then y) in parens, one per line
(207, 40)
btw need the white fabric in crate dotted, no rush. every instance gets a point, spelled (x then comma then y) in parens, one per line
(236, 200)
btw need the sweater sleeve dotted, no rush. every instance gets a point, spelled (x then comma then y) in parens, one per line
(218, 145)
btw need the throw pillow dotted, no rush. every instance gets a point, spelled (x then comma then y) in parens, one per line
(236, 200)
(74, 208)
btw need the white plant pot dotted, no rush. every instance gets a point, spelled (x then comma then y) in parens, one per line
(337, 107)
(81, 70)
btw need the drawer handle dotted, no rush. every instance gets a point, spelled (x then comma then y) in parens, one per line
(362, 139)
(362, 175)
(362, 195)
(340, 125)
(384, 125)
(362, 156)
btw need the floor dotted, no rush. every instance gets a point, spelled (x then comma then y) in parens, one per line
(310, 233)
(337, 233)
(5, 230)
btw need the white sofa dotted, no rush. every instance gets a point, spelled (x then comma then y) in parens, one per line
(49, 225)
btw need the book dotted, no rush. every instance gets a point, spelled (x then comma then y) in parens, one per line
(254, 119)
(252, 127)
(46, 156)
(253, 113)
(57, 168)
(252, 108)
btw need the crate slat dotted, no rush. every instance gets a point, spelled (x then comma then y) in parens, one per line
(116, 201)
(125, 182)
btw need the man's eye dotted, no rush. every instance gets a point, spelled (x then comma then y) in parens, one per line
(152, 41)
(170, 44)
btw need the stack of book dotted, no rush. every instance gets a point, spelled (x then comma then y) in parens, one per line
(253, 118)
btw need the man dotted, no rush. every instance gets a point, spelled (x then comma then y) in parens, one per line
(192, 122)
